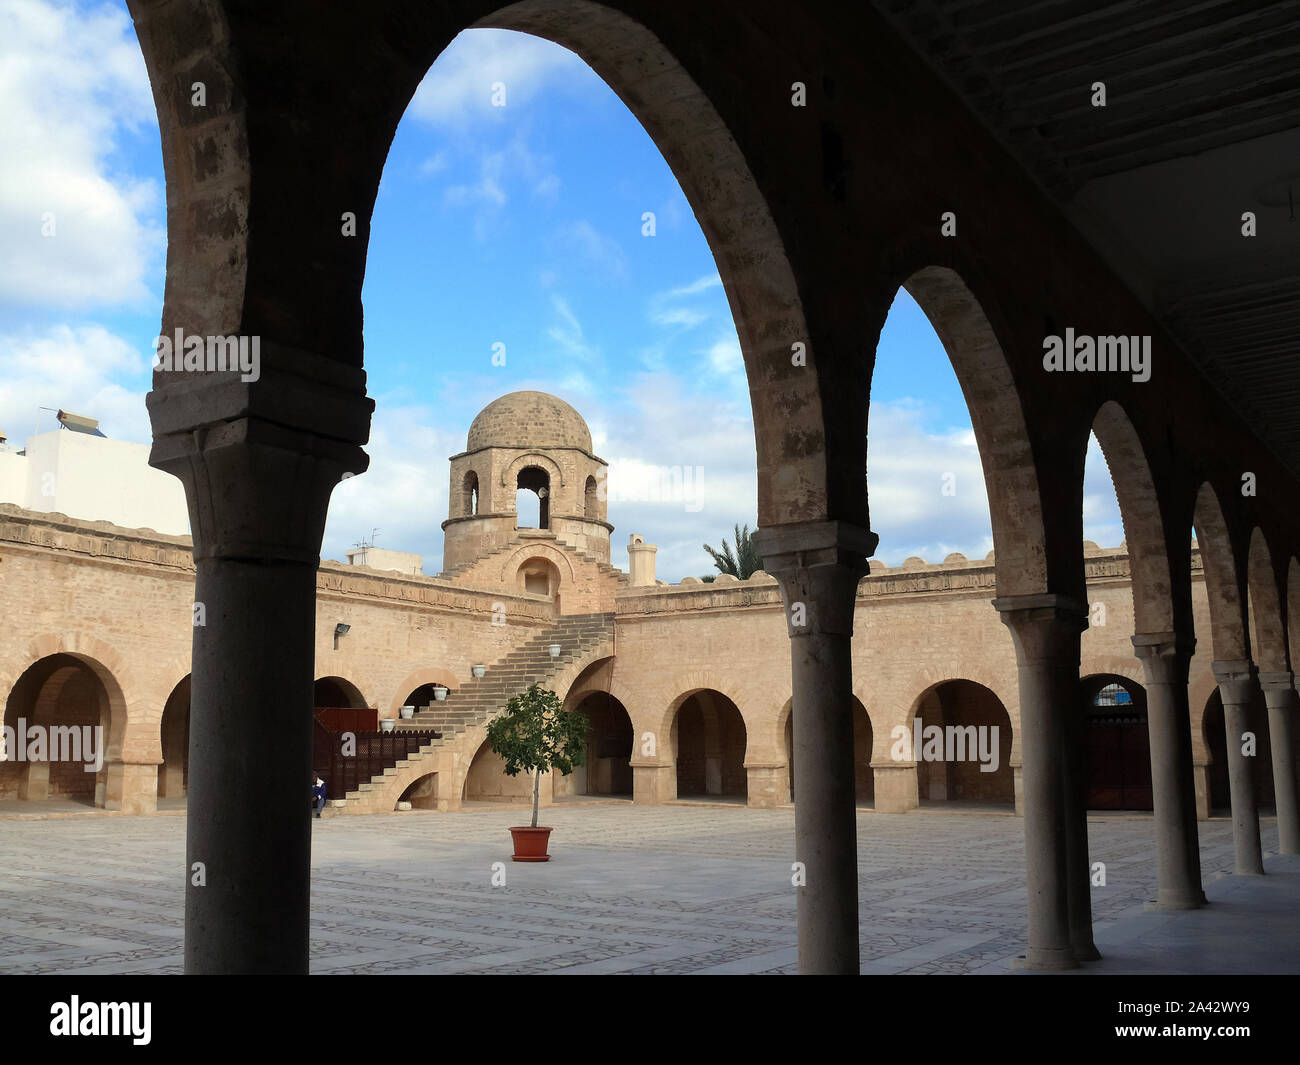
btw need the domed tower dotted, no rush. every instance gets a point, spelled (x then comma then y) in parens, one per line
(534, 442)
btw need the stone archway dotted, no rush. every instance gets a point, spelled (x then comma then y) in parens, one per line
(608, 769)
(59, 717)
(417, 688)
(337, 692)
(1222, 580)
(998, 420)
(1139, 507)
(1214, 732)
(1117, 755)
(259, 471)
(487, 781)
(538, 576)
(963, 728)
(708, 740)
(1219, 795)
(864, 778)
(174, 730)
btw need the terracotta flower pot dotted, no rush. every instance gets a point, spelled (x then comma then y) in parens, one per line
(530, 844)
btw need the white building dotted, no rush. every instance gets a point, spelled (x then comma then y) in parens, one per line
(93, 478)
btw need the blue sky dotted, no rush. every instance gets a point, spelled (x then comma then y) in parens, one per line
(518, 225)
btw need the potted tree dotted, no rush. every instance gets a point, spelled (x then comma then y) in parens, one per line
(536, 734)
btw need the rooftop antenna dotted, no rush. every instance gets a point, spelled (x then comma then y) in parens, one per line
(364, 542)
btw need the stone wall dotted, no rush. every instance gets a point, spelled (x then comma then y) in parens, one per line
(121, 602)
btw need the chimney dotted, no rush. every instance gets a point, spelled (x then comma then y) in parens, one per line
(641, 561)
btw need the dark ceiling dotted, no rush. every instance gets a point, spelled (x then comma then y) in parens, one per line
(1201, 124)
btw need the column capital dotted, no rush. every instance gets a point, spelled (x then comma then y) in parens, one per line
(1165, 656)
(1042, 606)
(257, 490)
(286, 385)
(1273, 681)
(1045, 626)
(1236, 679)
(810, 543)
(259, 447)
(818, 566)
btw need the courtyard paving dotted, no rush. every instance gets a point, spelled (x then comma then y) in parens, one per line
(631, 889)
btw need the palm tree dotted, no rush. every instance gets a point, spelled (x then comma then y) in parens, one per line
(744, 562)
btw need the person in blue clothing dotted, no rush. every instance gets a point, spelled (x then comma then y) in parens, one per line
(317, 793)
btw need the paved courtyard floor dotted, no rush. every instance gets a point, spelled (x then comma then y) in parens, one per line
(632, 889)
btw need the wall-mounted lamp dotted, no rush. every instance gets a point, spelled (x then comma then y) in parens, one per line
(340, 630)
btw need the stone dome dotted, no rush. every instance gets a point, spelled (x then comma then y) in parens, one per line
(528, 419)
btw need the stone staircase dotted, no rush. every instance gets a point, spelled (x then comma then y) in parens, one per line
(480, 699)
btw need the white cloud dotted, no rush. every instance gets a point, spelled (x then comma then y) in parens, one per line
(567, 332)
(548, 188)
(678, 316)
(75, 369)
(71, 80)
(703, 284)
(403, 493)
(689, 306)
(457, 91)
(908, 469)
(499, 171)
(682, 473)
(586, 241)
(725, 358)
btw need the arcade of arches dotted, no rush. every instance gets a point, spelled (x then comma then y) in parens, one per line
(813, 133)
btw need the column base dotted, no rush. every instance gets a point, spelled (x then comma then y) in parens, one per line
(1177, 902)
(653, 785)
(769, 786)
(131, 787)
(895, 788)
(1054, 960)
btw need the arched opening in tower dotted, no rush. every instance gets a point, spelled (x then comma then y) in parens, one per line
(533, 483)
(471, 494)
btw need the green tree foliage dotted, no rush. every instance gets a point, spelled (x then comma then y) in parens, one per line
(744, 563)
(536, 734)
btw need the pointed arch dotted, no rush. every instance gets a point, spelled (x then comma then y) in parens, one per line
(1139, 508)
(1293, 611)
(1010, 474)
(1222, 583)
(1268, 647)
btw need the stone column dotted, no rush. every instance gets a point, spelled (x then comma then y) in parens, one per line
(819, 565)
(1078, 870)
(1236, 686)
(653, 783)
(1046, 630)
(1165, 659)
(1280, 694)
(1201, 781)
(257, 488)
